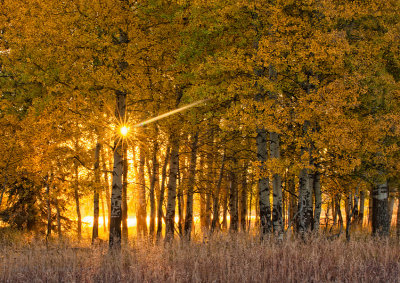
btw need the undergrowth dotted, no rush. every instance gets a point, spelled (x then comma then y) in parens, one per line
(220, 258)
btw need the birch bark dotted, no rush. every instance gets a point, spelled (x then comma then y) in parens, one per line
(116, 194)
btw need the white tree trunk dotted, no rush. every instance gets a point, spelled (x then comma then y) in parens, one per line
(116, 194)
(263, 183)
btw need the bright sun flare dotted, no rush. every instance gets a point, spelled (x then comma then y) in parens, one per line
(124, 130)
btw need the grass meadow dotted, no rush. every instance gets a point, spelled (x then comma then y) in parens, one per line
(220, 258)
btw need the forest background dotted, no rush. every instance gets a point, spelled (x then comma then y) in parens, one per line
(294, 120)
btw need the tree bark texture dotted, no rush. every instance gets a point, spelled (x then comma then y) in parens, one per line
(160, 213)
(398, 214)
(96, 210)
(171, 202)
(380, 217)
(361, 211)
(243, 199)
(56, 204)
(116, 194)
(48, 234)
(190, 187)
(317, 201)
(263, 183)
(216, 196)
(233, 200)
(141, 219)
(124, 205)
(107, 193)
(276, 187)
(154, 187)
(77, 205)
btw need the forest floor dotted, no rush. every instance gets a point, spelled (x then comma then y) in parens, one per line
(222, 258)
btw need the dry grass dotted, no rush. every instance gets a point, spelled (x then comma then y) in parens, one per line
(224, 258)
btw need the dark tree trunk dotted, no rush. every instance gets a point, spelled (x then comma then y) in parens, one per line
(317, 200)
(361, 211)
(77, 205)
(190, 187)
(154, 186)
(398, 214)
(48, 234)
(224, 223)
(233, 201)
(380, 223)
(58, 217)
(243, 199)
(124, 195)
(292, 200)
(370, 204)
(276, 187)
(141, 219)
(171, 202)
(160, 213)
(216, 197)
(96, 210)
(180, 206)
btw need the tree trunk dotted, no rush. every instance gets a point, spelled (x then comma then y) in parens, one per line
(141, 219)
(233, 201)
(318, 201)
(276, 187)
(243, 199)
(305, 203)
(160, 213)
(355, 205)
(107, 191)
(370, 202)
(380, 223)
(77, 205)
(58, 217)
(124, 205)
(398, 214)
(348, 205)
(292, 200)
(96, 210)
(180, 206)
(173, 172)
(190, 188)
(338, 210)
(116, 195)
(208, 210)
(305, 210)
(48, 234)
(215, 219)
(224, 223)
(154, 186)
(263, 183)
(361, 211)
